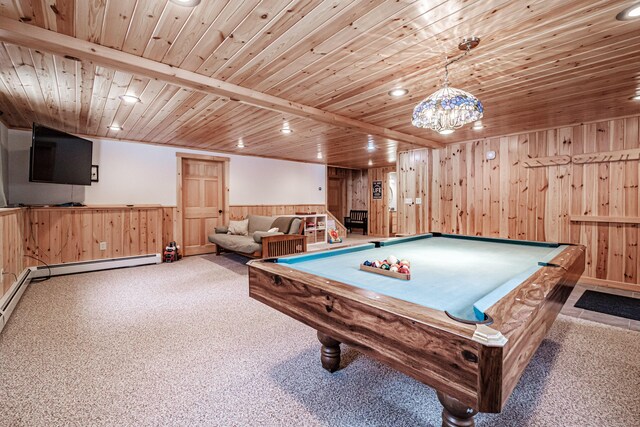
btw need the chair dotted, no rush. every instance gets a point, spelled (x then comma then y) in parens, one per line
(357, 219)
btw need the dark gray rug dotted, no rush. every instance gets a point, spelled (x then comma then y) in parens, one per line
(615, 305)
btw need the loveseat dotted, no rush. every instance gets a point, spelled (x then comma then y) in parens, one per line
(259, 241)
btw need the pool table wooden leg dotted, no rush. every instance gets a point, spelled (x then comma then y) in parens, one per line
(330, 353)
(455, 413)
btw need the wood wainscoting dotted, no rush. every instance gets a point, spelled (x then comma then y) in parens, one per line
(242, 211)
(506, 197)
(61, 235)
(11, 249)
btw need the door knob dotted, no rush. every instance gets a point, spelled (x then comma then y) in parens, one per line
(220, 211)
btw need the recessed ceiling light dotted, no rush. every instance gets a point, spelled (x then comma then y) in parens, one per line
(477, 126)
(115, 127)
(370, 163)
(129, 99)
(319, 155)
(188, 3)
(446, 132)
(286, 129)
(240, 143)
(371, 146)
(398, 92)
(636, 98)
(631, 12)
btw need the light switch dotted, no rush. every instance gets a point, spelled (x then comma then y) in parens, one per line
(408, 200)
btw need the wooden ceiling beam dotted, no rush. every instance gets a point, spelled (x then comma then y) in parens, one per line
(21, 34)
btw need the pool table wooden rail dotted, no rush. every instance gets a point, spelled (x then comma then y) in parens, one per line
(419, 341)
(422, 342)
(526, 314)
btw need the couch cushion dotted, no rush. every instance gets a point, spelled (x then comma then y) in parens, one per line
(258, 235)
(283, 223)
(295, 226)
(239, 227)
(259, 223)
(242, 244)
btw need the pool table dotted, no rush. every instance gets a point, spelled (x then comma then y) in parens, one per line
(466, 323)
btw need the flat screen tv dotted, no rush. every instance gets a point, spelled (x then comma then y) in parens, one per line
(60, 158)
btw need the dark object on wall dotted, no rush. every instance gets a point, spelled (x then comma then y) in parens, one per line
(377, 189)
(59, 158)
(615, 305)
(94, 173)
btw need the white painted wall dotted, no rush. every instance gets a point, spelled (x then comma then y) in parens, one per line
(4, 164)
(133, 173)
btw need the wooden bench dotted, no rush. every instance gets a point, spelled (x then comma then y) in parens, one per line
(357, 219)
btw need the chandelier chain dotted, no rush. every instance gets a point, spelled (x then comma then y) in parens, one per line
(446, 66)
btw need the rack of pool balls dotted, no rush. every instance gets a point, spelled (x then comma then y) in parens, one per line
(392, 267)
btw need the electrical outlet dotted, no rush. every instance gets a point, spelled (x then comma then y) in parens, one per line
(103, 246)
(418, 201)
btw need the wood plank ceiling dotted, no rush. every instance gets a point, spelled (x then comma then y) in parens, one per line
(541, 63)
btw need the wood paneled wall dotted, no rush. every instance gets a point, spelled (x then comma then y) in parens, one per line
(357, 185)
(11, 259)
(358, 190)
(379, 208)
(472, 195)
(242, 211)
(61, 235)
(413, 183)
(170, 230)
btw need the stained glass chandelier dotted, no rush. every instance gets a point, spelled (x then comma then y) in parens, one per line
(449, 108)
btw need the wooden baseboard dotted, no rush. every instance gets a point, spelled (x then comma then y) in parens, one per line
(609, 284)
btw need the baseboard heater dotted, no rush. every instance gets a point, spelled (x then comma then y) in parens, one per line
(11, 298)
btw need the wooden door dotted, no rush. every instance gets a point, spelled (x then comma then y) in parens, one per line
(335, 197)
(203, 204)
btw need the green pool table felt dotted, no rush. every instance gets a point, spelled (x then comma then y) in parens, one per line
(462, 276)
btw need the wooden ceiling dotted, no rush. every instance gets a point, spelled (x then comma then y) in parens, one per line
(329, 63)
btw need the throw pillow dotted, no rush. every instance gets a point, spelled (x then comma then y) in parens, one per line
(273, 230)
(240, 228)
(223, 229)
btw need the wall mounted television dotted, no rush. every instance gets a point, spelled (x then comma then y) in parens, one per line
(59, 158)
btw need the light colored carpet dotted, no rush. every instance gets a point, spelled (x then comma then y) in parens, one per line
(183, 344)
